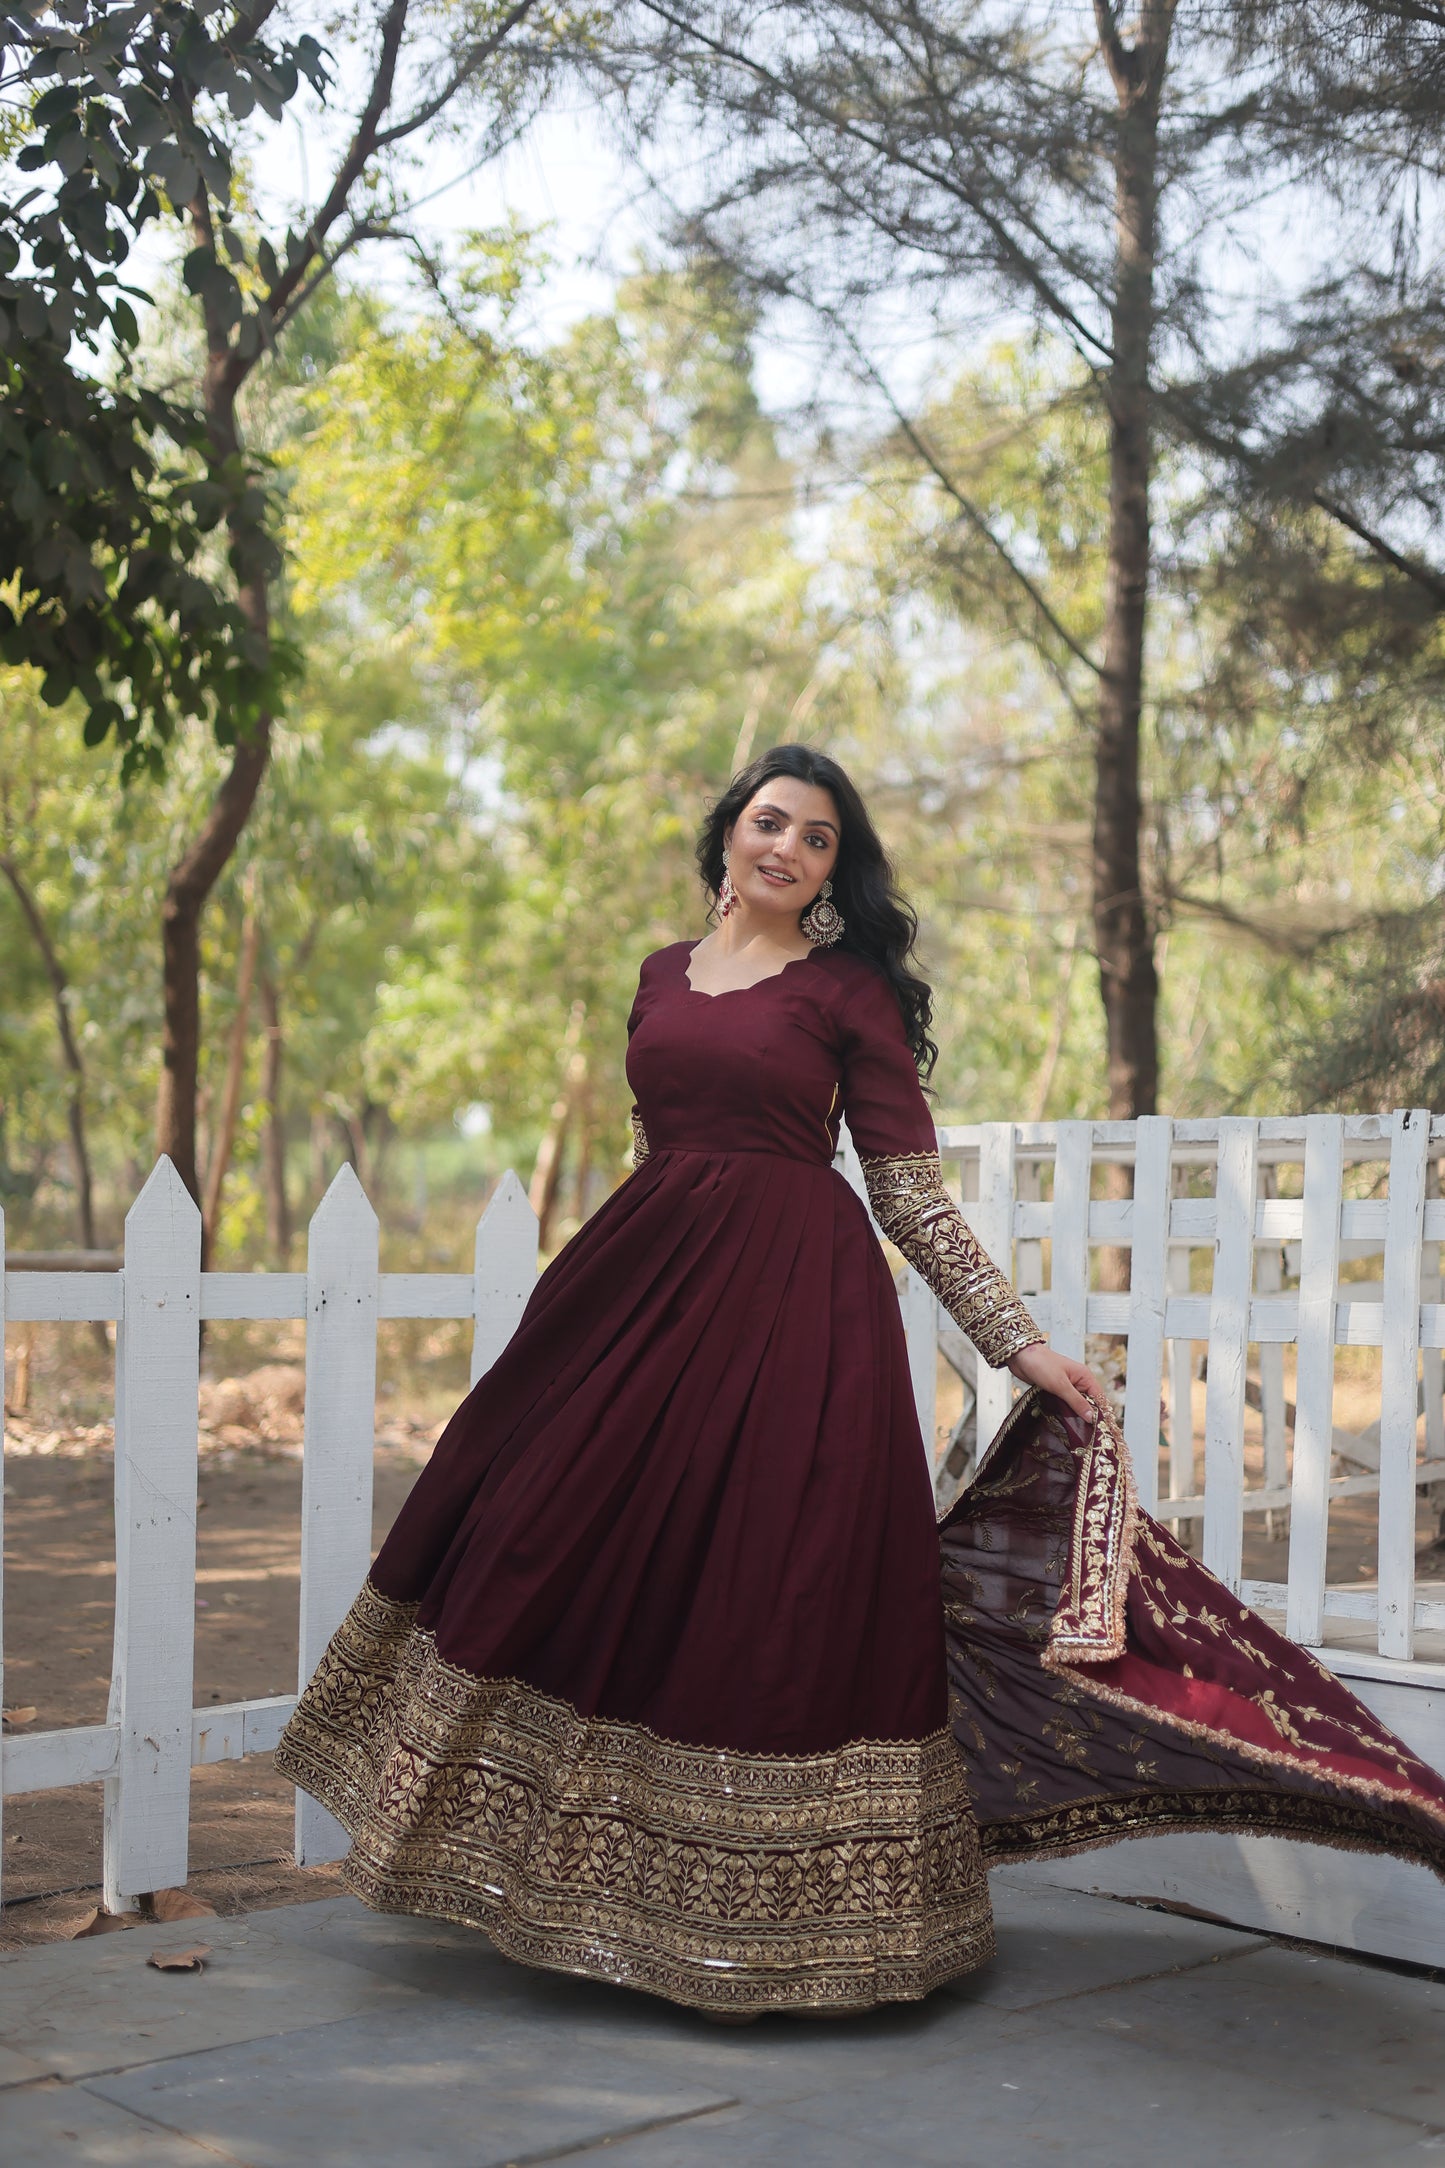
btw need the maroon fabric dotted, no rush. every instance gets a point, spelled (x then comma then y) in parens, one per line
(1202, 1716)
(692, 1493)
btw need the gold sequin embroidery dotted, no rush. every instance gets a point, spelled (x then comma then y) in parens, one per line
(724, 1880)
(913, 1208)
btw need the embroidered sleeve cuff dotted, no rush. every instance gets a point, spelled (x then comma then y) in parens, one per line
(639, 1140)
(919, 1217)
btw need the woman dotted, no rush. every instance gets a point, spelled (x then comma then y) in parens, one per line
(655, 1678)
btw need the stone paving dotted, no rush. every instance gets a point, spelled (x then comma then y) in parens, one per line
(321, 2036)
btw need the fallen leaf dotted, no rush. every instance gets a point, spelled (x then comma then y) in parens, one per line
(102, 1922)
(181, 1960)
(15, 1717)
(179, 1904)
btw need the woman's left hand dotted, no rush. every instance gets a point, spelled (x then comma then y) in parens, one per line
(1072, 1382)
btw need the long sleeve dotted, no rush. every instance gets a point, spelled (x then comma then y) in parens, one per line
(639, 1134)
(915, 1211)
(893, 1131)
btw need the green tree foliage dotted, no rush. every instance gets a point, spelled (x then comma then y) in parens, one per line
(592, 545)
(110, 488)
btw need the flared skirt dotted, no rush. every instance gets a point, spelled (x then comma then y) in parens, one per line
(648, 1679)
(666, 1675)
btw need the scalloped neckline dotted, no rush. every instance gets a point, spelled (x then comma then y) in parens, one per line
(752, 985)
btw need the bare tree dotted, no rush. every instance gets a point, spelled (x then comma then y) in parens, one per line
(1068, 166)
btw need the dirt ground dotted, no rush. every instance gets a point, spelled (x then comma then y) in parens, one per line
(59, 1594)
(60, 1586)
(60, 1591)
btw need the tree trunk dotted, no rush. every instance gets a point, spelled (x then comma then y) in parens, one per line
(320, 1153)
(1123, 932)
(70, 1052)
(201, 865)
(273, 1138)
(192, 880)
(547, 1173)
(225, 1138)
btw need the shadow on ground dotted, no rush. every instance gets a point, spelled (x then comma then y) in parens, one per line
(321, 2036)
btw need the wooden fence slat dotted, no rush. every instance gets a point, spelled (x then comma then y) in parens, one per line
(1268, 1279)
(1148, 1256)
(263, 1295)
(227, 1730)
(1400, 1380)
(1181, 1367)
(1432, 1368)
(505, 1272)
(1315, 1377)
(157, 1374)
(922, 1314)
(1235, 1191)
(76, 1298)
(992, 1220)
(51, 1761)
(1028, 1246)
(1276, 1220)
(342, 1291)
(428, 1294)
(1069, 1256)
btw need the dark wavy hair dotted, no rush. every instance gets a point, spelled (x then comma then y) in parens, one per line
(877, 923)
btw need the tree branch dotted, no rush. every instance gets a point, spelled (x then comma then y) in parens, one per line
(60, 997)
(968, 510)
(1423, 575)
(467, 67)
(362, 229)
(1011, 250)
(1118, 58)
(361, 148)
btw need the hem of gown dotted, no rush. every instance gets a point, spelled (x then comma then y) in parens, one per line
(721, 1880)
(1090, 1825)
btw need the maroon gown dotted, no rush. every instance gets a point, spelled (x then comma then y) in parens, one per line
(650, 1679)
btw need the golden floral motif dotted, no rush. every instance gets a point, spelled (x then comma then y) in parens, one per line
(1088, 1622)
(639, 1140)
(720, 1879)
(911, 1205)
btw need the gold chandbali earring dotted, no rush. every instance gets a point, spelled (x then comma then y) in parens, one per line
(727, 895)
(822, 922)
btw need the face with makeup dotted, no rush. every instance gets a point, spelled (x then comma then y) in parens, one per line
(781, 849)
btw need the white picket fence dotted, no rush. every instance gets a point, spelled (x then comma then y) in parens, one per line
(1368, 1188)
(1254, 1240)
(153, 1735)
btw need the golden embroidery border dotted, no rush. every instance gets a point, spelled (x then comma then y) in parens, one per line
(694, 1798)
(1056, 1832)
(1264, 1757)
(1088, 1625)
(1107, 1519)
(909, 1199)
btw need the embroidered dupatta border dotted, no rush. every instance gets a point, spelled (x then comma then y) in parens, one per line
(732, 1881)
(1089, 1627)
(1088, 1622)
(1089, 1825)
